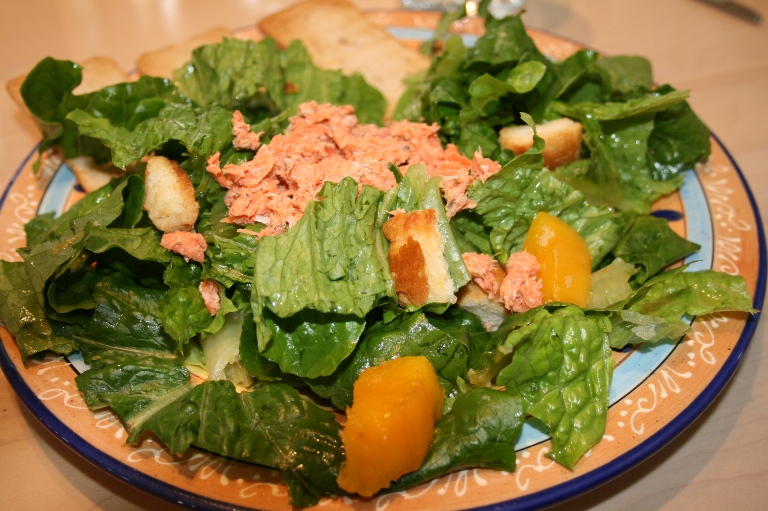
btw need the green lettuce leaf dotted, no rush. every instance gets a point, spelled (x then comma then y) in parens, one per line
(260, 80)
(307, 82)
(679, 140)
(129, 382)
(480, 431)
(272, 426)
(200, 131)
(652, 245)
(638, 146)
(48, 93)
(508, 202)
(22, 313)
(126, 316)
(443, 342)
(335, 273)
(231, 259)
(235, 74)
(664, 305)
(116, 204)
(562, 366)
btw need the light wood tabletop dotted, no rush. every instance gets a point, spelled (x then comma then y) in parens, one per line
(719, 462)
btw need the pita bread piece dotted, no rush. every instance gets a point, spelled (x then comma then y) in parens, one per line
(339, 36)
(165, 61)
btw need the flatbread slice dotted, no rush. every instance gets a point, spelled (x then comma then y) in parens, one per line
(164, 61)
(339, 36)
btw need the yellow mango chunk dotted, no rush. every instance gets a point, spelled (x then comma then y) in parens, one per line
(391, 423)
(566, 264)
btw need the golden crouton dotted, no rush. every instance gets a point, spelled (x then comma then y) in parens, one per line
(490, 310)
(562, 140)
(339, 36)
(417, 260)
(169, 196)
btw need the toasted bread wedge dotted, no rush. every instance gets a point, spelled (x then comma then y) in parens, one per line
(339, 36)
(165, 61)
(417, 260)
(90, 175)
(562, 138)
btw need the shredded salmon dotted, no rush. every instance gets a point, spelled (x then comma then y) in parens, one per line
(516, 286)
(483, 168)
(521, 289)
(485, 272)
(244, 139)
(209, 290)
(189, 245)
(326, 143)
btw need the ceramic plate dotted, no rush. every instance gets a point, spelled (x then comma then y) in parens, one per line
(657, 390)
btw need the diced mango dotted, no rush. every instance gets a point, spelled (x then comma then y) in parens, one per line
(566, 264)
(391, 423)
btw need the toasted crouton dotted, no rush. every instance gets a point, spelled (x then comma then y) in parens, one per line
(165, 61)
(339, 36)
(562, 140)
(474, 299)
(417, 260)
(170, 197)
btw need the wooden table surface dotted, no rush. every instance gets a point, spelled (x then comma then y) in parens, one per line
(719, 462)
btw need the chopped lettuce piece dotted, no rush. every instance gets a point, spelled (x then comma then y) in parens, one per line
(445, 344)
(563, 366)
(611, 284)
(663, 306)
(652, 245)
(222, 352)
(508, 202)
(272, 426)
(480, 431)
(310, 307)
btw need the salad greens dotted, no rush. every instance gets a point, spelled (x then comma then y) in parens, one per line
(304, 313)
